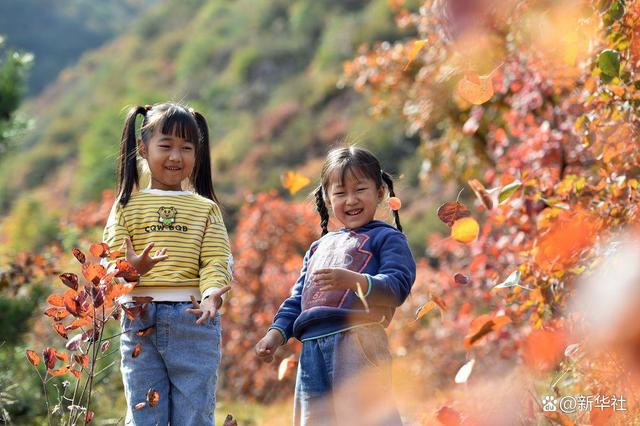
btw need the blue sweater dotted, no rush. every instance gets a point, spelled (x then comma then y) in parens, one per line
(377, 250)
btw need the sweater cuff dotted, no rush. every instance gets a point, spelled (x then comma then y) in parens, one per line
(369, 284)
(284, 334)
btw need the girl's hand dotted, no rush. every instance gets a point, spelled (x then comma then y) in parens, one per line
(208, 307)
(143, 262)
(338, 279)
(268, 345)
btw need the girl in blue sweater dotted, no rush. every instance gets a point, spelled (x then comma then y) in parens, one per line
(344, 374)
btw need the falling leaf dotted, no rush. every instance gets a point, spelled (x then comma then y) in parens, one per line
(153, 397)
(56, 300)
(417, 47)
(139, 405)
(145, 331)
(512, 280)
(361, 296)
(448, 416)
(285, 365)
(99, 249)
(33, 357)
(461, 279)
(452, 211)
(59, 328)
(136, 351)
(79, 255)
(483, 325)
(105, 346)
(70, 280)
(475, 89)
(425, 309)
(464, 372)
(481, 193)
(508, 190)
(465, 230)
(294, 181)
(49, 355)
(394, 203)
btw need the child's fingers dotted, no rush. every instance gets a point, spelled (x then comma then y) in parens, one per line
(147, 249)
(157, 259)
(205, 316)
(195, 303)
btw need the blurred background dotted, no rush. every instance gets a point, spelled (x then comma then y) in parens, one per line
(525, 111)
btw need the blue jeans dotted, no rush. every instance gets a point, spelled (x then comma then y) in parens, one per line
(345, 379)
(179, 359)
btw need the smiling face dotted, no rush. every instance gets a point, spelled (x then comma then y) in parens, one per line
(170, 158)
(353, 199)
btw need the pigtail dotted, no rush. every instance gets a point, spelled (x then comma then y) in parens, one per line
(127, 166)
(201, 177)
(386, 177)
(322, 210)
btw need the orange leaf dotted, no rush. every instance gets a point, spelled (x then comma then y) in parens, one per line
(59, 328)
(452, 211)
(56, 313)
(448, 416)
(294, 181)
(439, 302)
(425, 309)
(33, 358)
(76, 373)
(145, 331)
(99, 249)
(60, 371)
(465, 230)
(81, 359)
(79, 322)
(417, 47)
(136, 351)
(93, 272)
(475, 89)
(544, 349)
(126, 271)
(153, 397)
(56, 300)
(62, 356)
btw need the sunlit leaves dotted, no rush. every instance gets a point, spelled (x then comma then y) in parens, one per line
(508, 190)
(425, 309)
(465, 230)
(294, 181)
(99, 249)
(475, 89)
(70, 280)
(79, 255)
(55, 300)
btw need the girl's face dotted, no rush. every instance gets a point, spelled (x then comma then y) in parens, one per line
(355, 200)
(171, 160)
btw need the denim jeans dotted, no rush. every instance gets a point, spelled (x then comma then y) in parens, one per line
(179, 359)
(345, 379)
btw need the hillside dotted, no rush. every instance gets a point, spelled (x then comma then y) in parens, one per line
(265, 74)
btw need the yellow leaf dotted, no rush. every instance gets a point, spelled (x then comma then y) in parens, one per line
(361, 296)
(417, 47)
(465, 230)
(285, 365)
(294, 181)
(424, 310)
(475, 89)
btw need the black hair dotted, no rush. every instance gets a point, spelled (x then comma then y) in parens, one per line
(353, 159)
(171, 119)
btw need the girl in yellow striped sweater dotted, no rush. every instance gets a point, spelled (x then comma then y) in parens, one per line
(186, 278)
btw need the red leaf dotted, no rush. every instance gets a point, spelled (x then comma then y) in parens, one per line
(49, 355)
(81, 359)
(452, 211)
(79, 255)
(461, 279)
(99, 249)
(105, 345)
(76, 373)
(33, 358)
(70, 280)
(89, 416)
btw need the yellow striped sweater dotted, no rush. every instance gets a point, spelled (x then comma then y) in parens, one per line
(190, 227)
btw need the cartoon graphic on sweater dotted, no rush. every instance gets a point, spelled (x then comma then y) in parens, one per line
(167, 215)
(342, 250)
